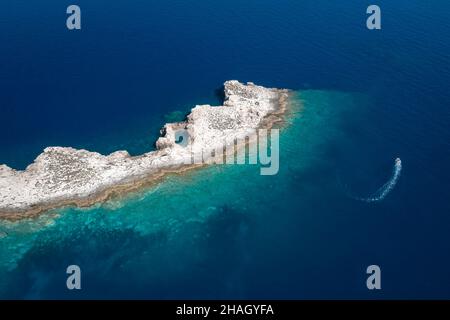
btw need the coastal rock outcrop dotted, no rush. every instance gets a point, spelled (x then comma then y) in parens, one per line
(63, 176)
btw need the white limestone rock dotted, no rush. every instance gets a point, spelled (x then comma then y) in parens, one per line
(61, 176)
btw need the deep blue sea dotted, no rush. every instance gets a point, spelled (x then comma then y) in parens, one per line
(361, 98)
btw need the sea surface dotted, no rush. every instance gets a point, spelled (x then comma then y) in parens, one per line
(361, 98)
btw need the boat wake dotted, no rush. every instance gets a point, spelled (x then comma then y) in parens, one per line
(385, 189)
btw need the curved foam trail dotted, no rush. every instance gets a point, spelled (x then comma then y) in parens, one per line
(381, 193)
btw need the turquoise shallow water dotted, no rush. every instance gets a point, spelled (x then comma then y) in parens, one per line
(206, 226)
(226, 231)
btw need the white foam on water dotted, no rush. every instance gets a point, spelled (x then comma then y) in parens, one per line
(382, 192)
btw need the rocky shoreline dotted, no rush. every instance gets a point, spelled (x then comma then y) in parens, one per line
(62, 177)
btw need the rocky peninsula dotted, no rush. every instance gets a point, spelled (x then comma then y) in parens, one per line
(63, 176)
